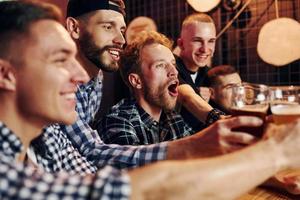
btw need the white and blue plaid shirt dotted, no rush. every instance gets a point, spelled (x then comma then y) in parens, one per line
(20, 181)
(79, 149)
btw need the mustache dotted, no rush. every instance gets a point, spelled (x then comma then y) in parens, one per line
(168, 83)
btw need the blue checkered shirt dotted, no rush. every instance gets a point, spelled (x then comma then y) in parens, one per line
(20, 181)
(128, 124)
(79, 149)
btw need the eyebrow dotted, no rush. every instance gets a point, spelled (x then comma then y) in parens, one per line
(201, 38)
(59, 51)
(162, 60)
(112, 23)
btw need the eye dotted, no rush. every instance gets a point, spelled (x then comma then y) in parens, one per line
(161, 65)
(107, 27)
(60, 60)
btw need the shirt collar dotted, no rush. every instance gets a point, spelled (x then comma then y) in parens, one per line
(147, 119)
(10, 144)
(93, 84)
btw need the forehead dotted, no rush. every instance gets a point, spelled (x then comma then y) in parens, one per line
(107, 16)
(229, 79)
(49, 35)
(155, 52)
(200, 29)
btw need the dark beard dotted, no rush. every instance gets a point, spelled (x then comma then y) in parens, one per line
(93, 53)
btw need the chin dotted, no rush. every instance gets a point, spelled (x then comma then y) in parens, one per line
(69, 119)
(170, 106)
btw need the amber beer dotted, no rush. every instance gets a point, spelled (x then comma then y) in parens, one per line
(251, 110)
(285, 113)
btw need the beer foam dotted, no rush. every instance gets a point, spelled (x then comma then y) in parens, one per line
(252, 108)
(293, 109)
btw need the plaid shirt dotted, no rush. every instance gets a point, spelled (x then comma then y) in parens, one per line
(79, 149)
(128, 124)
(20, 181)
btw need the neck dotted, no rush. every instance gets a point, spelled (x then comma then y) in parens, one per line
(189, 65)
(153, 111)
(90, 67)
(26, 128)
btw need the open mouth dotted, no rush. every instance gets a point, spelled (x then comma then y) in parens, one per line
(172, 88)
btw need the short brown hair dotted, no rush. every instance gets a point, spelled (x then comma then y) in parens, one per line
(130, 58)
(217, 71)
(16, 18)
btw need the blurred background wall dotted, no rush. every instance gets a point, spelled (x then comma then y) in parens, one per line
(237, 46)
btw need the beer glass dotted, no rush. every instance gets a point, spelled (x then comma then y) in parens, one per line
(285, 104)
(250, 100)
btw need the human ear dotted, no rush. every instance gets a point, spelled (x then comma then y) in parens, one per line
(212, 93)
(72, 26)
(135, 81)
(7, 76)
(180, 43)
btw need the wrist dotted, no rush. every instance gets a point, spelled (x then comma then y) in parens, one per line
(213, 115)
(280, 161)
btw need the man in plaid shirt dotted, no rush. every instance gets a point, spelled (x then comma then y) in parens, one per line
(38, 81)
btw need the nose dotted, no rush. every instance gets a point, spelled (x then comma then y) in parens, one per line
(172, 71)
(78, 73)
(119, 39)
(204, 47)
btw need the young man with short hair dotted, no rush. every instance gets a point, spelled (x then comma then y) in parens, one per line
(197, 46)
(221, 79)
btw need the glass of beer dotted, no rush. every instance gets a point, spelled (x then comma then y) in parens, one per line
(250, 100)
(285, 104)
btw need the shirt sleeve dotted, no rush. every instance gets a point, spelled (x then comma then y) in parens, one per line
(24, 182)
(89, 144)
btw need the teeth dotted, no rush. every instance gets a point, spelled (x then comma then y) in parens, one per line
(115, 53)
(69, 96)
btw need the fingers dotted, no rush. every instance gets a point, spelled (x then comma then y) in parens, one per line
(292, 184)
(228, 148)
(248, 121)
(239, 138)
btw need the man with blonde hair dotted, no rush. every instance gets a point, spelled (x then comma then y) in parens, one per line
(197, 45)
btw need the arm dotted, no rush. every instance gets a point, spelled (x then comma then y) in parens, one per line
(24, 182)
(56, 152)
(212, 178)
(215, 140)
(193, 102)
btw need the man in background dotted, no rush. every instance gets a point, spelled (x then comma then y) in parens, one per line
(221, 79)
(197, 45)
